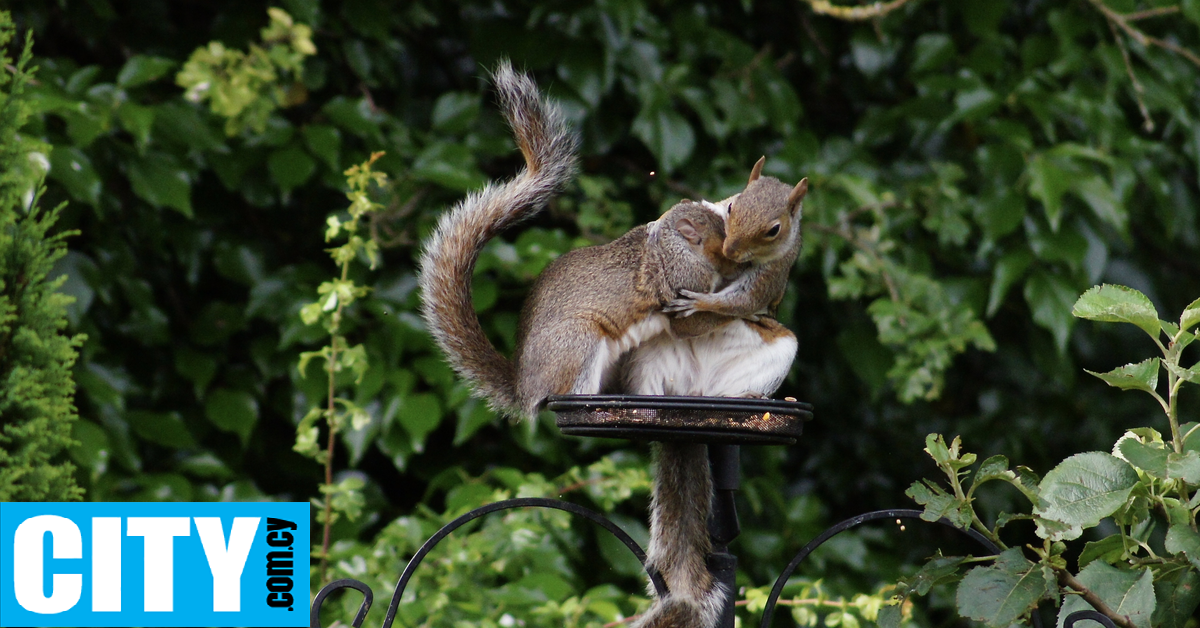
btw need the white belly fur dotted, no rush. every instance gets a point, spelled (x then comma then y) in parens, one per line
(601, 369)
(734, 361)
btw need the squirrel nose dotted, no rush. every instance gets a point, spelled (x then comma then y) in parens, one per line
(731, 252)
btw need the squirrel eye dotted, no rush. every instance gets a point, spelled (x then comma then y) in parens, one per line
(773, 231)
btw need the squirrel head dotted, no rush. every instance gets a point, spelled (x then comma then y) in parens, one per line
(764, 220)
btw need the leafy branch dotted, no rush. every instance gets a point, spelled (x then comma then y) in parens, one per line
(329, 310)
(1122, 576)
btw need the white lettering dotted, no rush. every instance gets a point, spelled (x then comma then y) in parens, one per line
(28, 570)
(227, 563)
(106, 564)
(159, 568)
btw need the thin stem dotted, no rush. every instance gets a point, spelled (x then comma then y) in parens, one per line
(1122, 22)
(331, 369)
(1138, 91)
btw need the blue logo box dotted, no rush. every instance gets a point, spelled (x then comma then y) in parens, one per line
(154, 564)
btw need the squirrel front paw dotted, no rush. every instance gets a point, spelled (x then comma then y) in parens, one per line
(681, 308)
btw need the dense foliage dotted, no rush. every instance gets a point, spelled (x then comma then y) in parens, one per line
(36, 391)
(974, 165)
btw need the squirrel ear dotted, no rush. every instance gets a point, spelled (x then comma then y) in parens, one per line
(757, 170)
(688, 230)
(798, 192)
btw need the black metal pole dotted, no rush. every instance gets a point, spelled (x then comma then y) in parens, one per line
(723, 527)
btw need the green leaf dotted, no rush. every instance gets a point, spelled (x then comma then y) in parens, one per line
(1182, 539)
(1191, 10)
(472, 415)
(1188, 375)
(290, 167)
(940, 504)
(73, 169)
(419, 414)
(1099, 195)
(455, 112)
(667, 134)
(1008, 271)
(1184, 466)
(1152, 460)
(141, 69)
(325, 142)
(1110, 550)
(1191, 314)
(1127, 592)
(931, 51)
(1048, 181)
(1140, 376)
(163, 428)
(138, 120)
(91, 450)
(159, 181)
(1177, 596)
(1049, 298)
(449, 165)
(232, 411)
(994, 468)
(1118, 304)
(1085, 488)
(1000, 594)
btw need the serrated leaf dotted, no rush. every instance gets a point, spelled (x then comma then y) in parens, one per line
(1182, 539)
(1110, 550)
(1190, 433)
(1000, 594)
(1140, 376)
(994, 468)
(1184, 466)
(1129, 593)
(1085, 488)
(936, 571)
(1152, 460)
(1191, 316)
(1176, 598)
(940, 504)
(1118, 304)
(1056, 530)
(1188, 375)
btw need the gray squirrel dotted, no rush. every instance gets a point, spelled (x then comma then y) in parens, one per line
(600, 319)
(590, 306)
(739, 350)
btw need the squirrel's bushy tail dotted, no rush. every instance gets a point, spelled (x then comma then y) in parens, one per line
(679, 541)
(452, 250)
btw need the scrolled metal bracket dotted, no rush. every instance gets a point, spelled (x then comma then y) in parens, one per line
(523, 502)
(1095, 616)
(895, 513)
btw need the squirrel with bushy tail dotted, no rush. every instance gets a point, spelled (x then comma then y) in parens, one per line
(596, 320)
